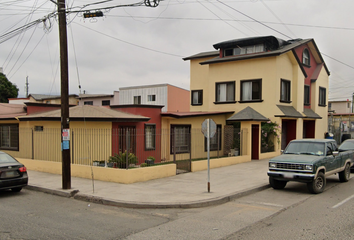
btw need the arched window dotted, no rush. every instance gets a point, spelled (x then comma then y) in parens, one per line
(306, 57)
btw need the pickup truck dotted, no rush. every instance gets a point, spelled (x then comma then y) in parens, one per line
(310, 161)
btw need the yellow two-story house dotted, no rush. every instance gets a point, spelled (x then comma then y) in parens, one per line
(263, 80)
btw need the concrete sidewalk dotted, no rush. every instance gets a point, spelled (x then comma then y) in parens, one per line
(187, 190)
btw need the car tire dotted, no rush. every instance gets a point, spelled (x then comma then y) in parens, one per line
(277, 184)
(18, 189)
(318, 184)
(345, 174)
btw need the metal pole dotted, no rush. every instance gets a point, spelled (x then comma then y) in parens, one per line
(208, 147)
(64, 74)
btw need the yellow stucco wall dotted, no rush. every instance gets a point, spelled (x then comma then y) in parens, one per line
(197, 137)
(216, 163)
(271, 70)
(92, 141)
(102, 173)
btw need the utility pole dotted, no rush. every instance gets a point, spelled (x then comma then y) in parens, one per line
(64, 76)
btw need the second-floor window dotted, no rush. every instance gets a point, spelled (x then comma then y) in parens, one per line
(225, 92)
(306, 57)
(285, 91)
(251, 90)
(137, 99)
(88, 103)
(106, 102)
(322, 97)
(151, 98)
(307, 95)
(197, 97)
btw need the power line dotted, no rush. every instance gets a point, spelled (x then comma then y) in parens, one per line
(146, 48)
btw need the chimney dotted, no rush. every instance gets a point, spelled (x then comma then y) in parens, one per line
(1, 70)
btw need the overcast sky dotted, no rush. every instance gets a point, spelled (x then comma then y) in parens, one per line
(139, 45)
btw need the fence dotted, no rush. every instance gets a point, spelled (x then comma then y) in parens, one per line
(117, 147)
(342, 127)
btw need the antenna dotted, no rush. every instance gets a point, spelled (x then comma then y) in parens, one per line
(26, 87)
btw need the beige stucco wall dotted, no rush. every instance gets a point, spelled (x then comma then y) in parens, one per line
(102, 173)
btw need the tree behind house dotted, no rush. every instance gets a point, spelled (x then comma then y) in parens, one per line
(7, 89)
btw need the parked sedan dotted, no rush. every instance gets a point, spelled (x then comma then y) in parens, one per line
(13, 174)
(347, 145)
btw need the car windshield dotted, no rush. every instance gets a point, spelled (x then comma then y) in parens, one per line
(309, 148)
(347, 145)
(6, 158)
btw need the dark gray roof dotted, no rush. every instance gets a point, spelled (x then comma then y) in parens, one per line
(203, 55)
(289, 111)
(248, 114)
(271, 42)
(282, 49)
(309, 113)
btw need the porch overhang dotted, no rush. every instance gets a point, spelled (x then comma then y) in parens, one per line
(289, 111)
(247, 114)
(309, 113)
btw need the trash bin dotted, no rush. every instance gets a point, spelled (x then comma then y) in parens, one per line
(346, 136)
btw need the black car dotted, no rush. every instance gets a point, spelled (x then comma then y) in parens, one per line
(347, 145)
(13, 174)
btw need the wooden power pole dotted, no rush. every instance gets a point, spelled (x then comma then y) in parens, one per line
(64, 75)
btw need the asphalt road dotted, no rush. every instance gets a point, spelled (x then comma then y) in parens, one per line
(324, 216)
(36, 215)
(291, 213)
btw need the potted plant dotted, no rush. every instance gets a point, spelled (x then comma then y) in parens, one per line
(150, 160)
(120, 160)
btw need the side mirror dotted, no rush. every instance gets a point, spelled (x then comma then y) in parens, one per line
(335, 153)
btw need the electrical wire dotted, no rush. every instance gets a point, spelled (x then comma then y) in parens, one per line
(146, 48)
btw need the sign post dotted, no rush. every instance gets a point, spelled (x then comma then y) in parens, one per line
(209, 130)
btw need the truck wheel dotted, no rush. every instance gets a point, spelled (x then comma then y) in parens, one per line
(276, 184)
(345, 174)
(318, 184)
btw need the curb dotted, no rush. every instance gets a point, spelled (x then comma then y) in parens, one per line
(126, 204)
(63, 193)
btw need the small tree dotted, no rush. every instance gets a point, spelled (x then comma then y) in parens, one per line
(270, 130)
(7, 89)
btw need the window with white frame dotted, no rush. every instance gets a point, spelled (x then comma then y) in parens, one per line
(197, 97)
(151, 98)
(150, 139)
(137, 100)
(225, 92)
(322, 97)
(285, 90)
(9, 136)
(251, 90)
(306, 57)
(244, 50)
